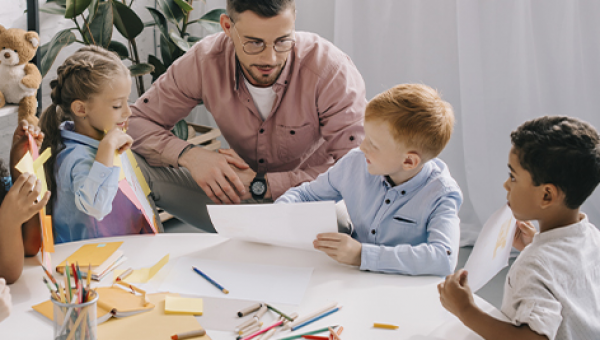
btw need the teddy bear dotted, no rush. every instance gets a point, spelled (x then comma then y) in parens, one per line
(19, 79)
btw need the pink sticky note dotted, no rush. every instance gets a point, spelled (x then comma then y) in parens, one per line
(35, 153)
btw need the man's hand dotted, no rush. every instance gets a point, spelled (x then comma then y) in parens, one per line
(524, 234)
(455, 294)
(340, 247)
(245, 175)
(213, 173)
(20, 203)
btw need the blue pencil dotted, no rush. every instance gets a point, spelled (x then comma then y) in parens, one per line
(316, 318)
(210, 280)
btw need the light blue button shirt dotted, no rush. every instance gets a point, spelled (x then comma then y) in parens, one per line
(412, 228)
(86, 188)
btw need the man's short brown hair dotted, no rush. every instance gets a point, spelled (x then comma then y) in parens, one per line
(417, 116)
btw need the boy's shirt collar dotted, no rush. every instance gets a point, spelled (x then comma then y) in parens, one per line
(412, 184)
(66, 132)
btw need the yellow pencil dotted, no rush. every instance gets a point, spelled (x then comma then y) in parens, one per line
(89, 275)
(384, 325)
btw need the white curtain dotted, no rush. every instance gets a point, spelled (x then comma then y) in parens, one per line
(499, 63)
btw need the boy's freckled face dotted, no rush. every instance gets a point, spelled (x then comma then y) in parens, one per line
(522, 195)
(383, 153)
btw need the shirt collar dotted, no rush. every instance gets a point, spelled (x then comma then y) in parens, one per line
(67, 133)
(414, 183)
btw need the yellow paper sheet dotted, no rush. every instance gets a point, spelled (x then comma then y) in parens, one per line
(153, 325)
(138, 172)
(93, 253)
(185, 306)
(143, 275)
(117, 162)
(26, 164)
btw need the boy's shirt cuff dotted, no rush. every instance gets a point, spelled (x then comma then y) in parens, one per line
(369, 257)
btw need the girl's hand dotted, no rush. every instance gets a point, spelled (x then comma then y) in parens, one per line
(340, 247)
(523, 235)
(455, 293)
(20, 144)
(117, 140)
(21, 202)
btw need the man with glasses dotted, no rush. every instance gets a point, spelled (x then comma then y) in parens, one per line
(290, 104)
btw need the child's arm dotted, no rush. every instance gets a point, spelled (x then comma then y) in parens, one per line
(19, 205)
(456, 297)
(95, 182)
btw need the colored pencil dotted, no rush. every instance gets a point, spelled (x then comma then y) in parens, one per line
(189, 334)
(50, 276)
(124, 275)
(249, 309)
(297, 336)
(303, 318)
(278, 323)
(385, 326)
(89, 274)
(334, 334)
(315, 337)
(210, 280)
(318, 317)
(68, 283)
(279, 312)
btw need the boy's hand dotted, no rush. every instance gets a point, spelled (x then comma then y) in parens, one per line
(340, 247)
(117, 140)
(455, 293)
(20, 203)
(524, 234)
(5, 300)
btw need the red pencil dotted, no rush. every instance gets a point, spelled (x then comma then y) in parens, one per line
(315, 337)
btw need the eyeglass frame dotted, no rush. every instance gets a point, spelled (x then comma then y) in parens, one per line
(264, 43)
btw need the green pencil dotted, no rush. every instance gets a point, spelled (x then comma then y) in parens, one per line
(320, 330)
(67, 271)
(279, 312)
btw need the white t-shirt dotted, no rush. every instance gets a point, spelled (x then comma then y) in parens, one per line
(554, 285)
(263, 97)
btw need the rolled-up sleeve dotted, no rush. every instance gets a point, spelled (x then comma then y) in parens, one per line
(95, 186)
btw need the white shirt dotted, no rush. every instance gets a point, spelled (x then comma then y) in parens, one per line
(263, 97)
(554, 285)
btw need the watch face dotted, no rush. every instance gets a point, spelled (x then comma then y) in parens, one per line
(258, 188)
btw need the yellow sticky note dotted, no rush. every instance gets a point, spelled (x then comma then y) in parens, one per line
(143, 275)
(186, 306)
(26, 164)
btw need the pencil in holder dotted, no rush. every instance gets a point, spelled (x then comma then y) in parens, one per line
(76, 321)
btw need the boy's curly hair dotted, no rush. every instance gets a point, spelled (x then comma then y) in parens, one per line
(563, 151)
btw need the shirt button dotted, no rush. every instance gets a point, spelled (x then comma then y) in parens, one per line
(448, 252)
(102, 175)
(403, 192)
(373, 231)
(145, 100)
(351, 138)
(261, 161)
(292, 132)
(387, 201)
(261, 130)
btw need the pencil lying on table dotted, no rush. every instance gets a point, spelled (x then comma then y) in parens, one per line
(214, 283)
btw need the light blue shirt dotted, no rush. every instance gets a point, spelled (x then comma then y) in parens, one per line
(89, 203)
(412, 228)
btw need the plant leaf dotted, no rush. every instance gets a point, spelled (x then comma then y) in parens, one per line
(59, 11)
(193, 39)
(126, 21)
(182, 44)
(76, 7)
(167, 50)
(61, 3)
(140, 69)
(159, 68)
(121, 49)
(214, 15)
(171, 10)
(160, 21)
(102, 26)
(185, 7)
(181, 130)
(92, 9)
(58, 42)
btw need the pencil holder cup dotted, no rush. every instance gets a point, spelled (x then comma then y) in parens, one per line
(76, 320)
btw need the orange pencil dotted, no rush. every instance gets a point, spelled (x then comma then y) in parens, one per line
(334, 334)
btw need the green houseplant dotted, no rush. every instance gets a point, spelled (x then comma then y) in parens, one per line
(95, 21)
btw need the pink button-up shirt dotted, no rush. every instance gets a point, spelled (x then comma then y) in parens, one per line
(316, 118)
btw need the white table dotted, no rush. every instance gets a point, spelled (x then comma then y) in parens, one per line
(409, 302)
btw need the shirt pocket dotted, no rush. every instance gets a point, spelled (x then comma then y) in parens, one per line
(294, 141)
(405, 220)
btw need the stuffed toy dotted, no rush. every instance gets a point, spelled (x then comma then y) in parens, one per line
(19, 79)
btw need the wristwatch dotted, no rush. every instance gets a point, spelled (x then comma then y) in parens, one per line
(258, 187)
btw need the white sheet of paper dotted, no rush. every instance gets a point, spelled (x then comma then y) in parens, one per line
(290, 225)
(245, 281)
(134, 184)
(492, 249)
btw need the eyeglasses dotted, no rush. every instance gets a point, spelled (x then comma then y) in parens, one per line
(255, 47)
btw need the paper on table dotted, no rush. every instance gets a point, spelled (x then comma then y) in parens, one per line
(289, 225)
(181, 305)
(492, 249)
(143, 275)
(245, 281)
